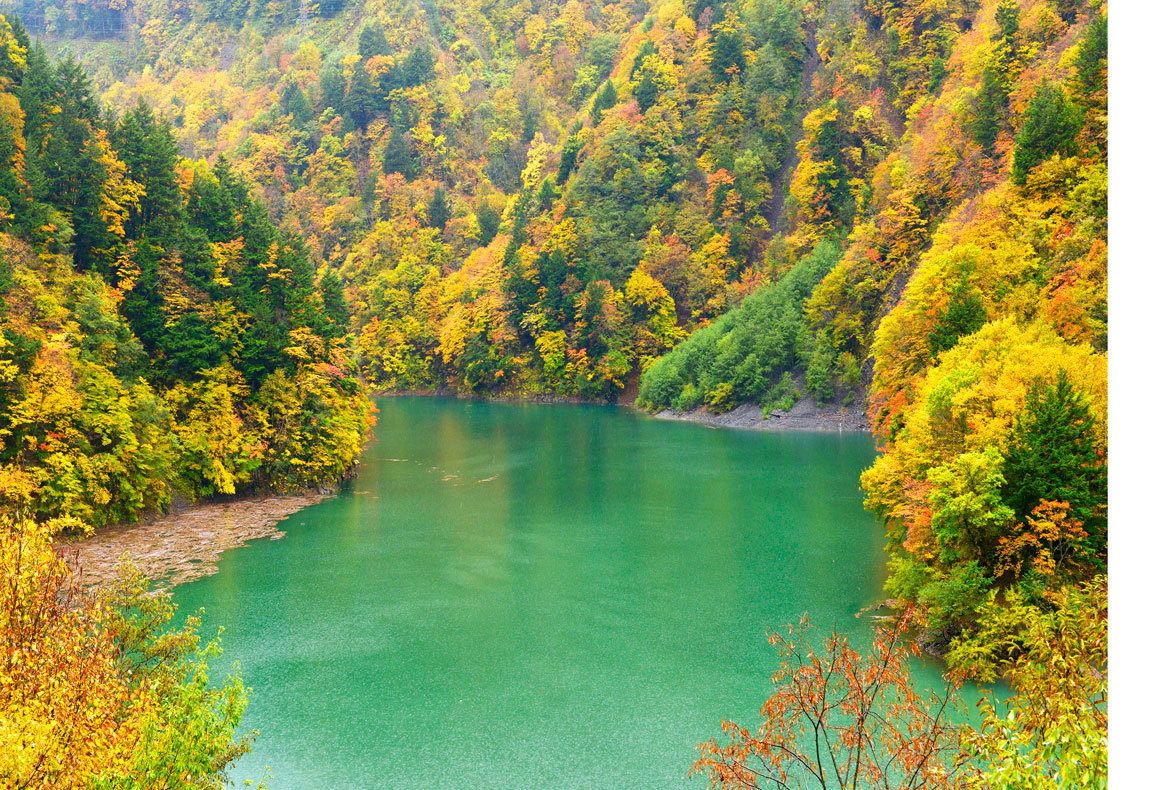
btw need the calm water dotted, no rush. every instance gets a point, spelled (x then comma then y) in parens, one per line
(523, 596)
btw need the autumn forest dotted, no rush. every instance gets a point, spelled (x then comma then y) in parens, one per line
(226, 225)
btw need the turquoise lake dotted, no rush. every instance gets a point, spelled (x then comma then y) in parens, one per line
(532, 596)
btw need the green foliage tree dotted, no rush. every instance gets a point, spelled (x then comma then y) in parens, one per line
(992, 101)
(727, 50)
(1050, 126)
(418, 66)
(1053, 732)
(372, 41)
(398, 157)
(819, 375)
(296, 104)
(488, 221)
(147, 147)
(332, 86)
(440, 211)
(963, 315)
(603, 100)
(646, 89)
(1091, 60)
(360, 101)
(569, 158)
(1054, 457)
(189, 739)
(335, 305)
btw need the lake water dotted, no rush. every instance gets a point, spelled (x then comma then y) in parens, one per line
(530, 596)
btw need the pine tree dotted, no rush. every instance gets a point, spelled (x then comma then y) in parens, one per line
(37, 88)
(646, 92)
(727, 50)
(963, 315)
(19, 33)
(569, 158)
(529, 123)
(295, 103)
(162, 203)
(603, 100)
(439, 209)
(488, 221)
(1091, 61)
(372, 41)
(990, 104)
(398, 156)
(212, 204)
(360, 102)
(1050, 125)
(335, 305)
(331, 87)
(143, 304)
(417, 68)
(992, 98)
(546, 195)
(1054, 456)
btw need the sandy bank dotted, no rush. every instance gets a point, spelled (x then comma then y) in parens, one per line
(181, 547)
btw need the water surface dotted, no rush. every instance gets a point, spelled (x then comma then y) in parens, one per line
(528, 596)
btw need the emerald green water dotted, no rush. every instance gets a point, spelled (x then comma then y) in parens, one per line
(524, 596)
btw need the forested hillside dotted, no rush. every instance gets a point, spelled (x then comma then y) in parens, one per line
(263, 207)
(159, 333)
(888, 202)
(518, 201)
(160, 337)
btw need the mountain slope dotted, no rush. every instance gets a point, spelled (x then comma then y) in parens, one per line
(159, 335)
(562, 199)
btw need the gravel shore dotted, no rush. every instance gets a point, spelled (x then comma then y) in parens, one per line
(806, 415)
(183, 546)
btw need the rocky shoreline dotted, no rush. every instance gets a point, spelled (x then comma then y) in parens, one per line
(182, 546)
(807, 415)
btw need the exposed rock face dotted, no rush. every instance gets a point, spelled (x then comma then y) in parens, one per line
(184, 546)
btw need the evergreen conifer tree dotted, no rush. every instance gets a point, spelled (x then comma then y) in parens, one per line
(439, 209)
(1050, 125)
(1054, 456)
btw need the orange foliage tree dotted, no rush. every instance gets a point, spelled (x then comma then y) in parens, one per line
(839, 719)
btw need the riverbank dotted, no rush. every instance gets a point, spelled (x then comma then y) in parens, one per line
(182, 546)
(807, 415)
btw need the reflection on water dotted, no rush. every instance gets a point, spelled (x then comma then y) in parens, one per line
(520, 596)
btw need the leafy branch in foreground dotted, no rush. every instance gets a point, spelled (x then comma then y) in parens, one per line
(1052, 733)
(841, 720)
(100, 691)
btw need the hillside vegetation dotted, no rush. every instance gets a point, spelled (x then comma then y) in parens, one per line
(159, 334)
(698, 203)
(160, 337)
(753, 201)
(561, 199)
(518, 201)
